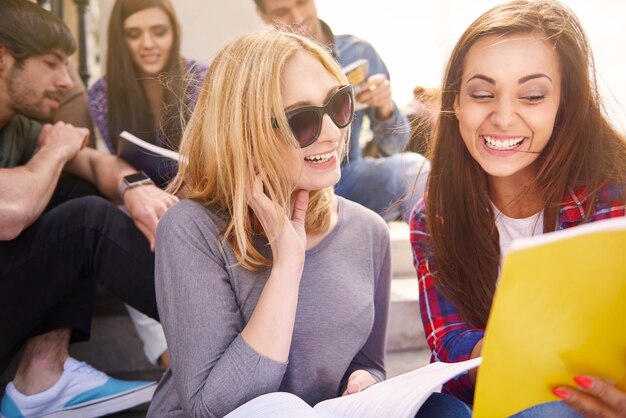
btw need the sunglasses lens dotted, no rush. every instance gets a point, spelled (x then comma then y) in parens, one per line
(305, 123)
(341, 108)
(304, 126)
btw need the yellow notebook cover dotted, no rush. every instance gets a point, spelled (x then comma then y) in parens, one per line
(559, 311)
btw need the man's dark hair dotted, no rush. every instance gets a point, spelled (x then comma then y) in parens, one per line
(260, 5)
(28, 30)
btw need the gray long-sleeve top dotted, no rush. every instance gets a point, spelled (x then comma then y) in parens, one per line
(205, 300)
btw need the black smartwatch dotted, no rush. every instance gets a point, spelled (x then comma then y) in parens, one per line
(133, 180)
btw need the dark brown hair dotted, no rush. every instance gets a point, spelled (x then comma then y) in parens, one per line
(260, 5)
(128, 104)
(584, 150)
(28, 30)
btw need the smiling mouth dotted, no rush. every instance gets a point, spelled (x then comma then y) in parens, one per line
(150, 58)
(319, 158)
(503, 145)
(54, 97)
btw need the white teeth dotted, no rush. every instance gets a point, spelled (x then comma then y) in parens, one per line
(320, 158)
(507, 144)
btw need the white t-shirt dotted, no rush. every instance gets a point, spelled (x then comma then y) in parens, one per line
(511, 228)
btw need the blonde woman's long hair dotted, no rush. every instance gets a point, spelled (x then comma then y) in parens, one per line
(231, 130)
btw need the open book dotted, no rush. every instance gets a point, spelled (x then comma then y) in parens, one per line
(357, 73)
(399, 397)
(160, 164)
(559, 311)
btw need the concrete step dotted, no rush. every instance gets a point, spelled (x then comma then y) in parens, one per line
(399, 362)
(401, 254)
(404, 330)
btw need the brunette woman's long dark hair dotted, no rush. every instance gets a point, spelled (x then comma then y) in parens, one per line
(584, 150)
(128, 104)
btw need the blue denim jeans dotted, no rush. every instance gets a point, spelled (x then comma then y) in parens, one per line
(556, 409)
(390, 186)
(439, 405)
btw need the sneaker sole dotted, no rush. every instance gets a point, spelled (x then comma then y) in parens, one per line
(108, 405)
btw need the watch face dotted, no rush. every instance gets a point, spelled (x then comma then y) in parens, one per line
(133, 178)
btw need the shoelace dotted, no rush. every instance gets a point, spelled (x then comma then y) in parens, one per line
(85, 368)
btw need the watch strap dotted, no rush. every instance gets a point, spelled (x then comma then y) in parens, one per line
(130, 182)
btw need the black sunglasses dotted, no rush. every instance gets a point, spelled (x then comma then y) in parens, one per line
(306, 122)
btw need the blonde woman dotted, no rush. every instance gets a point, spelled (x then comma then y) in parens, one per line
(266, 280)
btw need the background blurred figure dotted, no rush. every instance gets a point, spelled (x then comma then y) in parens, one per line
(74, 108)
(388, 185)
(58, 236)
(150, 91)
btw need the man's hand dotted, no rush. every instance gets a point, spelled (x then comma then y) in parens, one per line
(63, 139)
(376, 93)
(594, 398)
(145, 205)
(359, 380)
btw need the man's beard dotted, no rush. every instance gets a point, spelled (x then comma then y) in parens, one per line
(19, 95)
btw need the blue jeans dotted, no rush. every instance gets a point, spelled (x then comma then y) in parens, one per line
(390, 186)
(556, 409)
(439, 405)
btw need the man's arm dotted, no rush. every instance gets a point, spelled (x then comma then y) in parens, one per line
(392, 134)
(389, 126)
(27, 189)
(145, 204)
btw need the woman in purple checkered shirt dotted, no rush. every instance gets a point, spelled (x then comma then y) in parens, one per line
(149, 89)
(521, 147)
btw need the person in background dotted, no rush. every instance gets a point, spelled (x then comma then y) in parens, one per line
(521, 147)
(268, 281)
(148, 90)
(58, 238)
(74, 108)
(388, 185)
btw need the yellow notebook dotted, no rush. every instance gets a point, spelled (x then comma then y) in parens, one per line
(559, 311)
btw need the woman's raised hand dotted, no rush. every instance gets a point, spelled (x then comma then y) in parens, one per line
(286, 234)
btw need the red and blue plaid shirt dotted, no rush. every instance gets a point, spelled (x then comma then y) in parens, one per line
(449, 338)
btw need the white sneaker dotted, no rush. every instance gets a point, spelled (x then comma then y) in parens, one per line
(80, 392)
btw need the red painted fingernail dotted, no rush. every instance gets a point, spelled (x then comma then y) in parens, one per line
(583, 381)
(560, 393)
